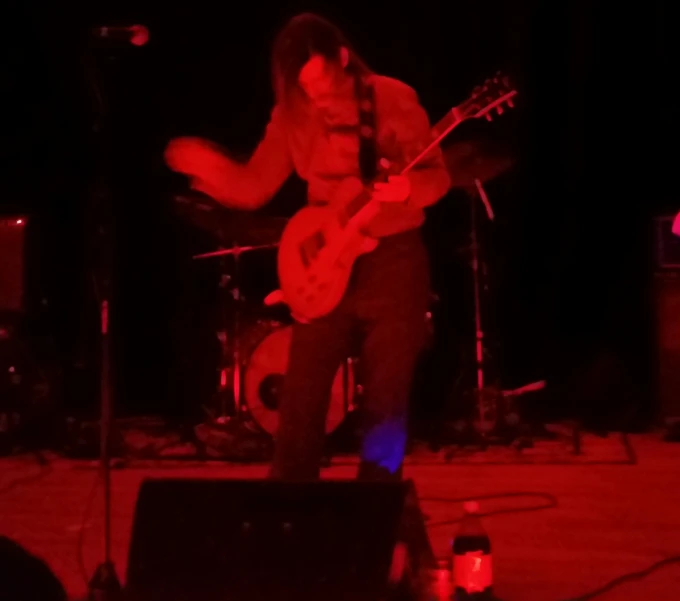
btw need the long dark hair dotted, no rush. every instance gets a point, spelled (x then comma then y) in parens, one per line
(301, 38)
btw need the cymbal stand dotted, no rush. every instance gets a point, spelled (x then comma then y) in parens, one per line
(479, 332)
(230, 341)
(230, 368)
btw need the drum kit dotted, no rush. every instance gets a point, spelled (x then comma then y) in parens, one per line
(254, 352)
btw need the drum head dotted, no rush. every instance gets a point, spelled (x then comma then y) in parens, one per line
(263, 383)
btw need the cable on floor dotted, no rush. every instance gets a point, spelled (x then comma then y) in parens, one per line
(550, 503)
(631, 576)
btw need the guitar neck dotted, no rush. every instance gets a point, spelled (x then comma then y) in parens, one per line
(478, 105)
(442, 129)
(354, 206)
(439, 131)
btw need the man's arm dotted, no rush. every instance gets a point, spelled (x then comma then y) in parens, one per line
(412, 132)
(237, 185)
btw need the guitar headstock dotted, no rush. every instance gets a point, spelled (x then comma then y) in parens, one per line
(492, 97)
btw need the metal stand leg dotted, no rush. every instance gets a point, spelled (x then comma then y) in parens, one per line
(229, 387)
(104, 585)
(479, 333)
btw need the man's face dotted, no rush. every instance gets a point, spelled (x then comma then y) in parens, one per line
(321, 79)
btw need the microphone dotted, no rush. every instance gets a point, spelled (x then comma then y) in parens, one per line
(137, 35)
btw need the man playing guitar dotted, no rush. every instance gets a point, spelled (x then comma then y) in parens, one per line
(326, 100)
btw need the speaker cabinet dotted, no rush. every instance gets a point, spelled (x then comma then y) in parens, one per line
(258, 540)
(667, 244)
(667, 302)
(12, 233)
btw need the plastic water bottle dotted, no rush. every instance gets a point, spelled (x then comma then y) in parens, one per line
(471, 563)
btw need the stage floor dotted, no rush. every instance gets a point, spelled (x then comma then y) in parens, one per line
(610, 519)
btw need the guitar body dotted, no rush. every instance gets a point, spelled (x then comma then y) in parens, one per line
(317, 251)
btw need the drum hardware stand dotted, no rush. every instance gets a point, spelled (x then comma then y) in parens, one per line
(230, 351)
(479, 332)
(482, 394)
(230, 344)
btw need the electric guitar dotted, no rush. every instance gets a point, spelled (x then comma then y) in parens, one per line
(320, 244)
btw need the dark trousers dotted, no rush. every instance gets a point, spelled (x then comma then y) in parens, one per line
(385, 306)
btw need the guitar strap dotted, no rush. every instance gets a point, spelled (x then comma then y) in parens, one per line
(368, 151)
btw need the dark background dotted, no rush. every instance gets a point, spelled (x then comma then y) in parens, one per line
(594, 134)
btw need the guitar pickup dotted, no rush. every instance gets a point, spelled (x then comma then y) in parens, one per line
(311, 246)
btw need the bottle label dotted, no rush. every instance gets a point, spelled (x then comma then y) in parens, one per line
(472, 571)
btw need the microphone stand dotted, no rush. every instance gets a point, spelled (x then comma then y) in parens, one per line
(104, 584)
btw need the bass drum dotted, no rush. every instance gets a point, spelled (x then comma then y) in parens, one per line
(265, 371)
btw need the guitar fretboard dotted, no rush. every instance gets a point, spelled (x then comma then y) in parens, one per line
(449, 121)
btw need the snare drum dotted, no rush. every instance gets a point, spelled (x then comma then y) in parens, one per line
(264, 373)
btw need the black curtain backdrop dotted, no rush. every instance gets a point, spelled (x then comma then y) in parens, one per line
(569, 264)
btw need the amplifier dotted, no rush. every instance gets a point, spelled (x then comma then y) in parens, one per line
(667, 302)
(12, 236)
(667, 244)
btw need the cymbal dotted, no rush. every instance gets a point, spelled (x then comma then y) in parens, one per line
(467, 161)
(230, 228)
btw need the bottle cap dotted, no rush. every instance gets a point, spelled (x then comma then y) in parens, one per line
(471, 507)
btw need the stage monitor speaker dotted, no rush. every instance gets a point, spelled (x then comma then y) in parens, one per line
(667, 301)
(12, 263)
(667, 244)
(258, 540)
